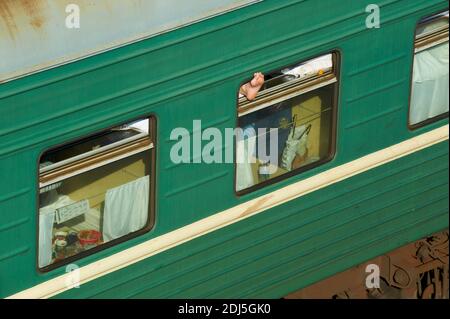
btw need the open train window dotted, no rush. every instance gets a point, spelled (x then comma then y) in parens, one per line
(95, 192)
(429, 94)
(290, 126)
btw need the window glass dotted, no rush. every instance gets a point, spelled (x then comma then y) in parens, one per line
(430, 95)
(99, 195)
(96, 144)
(289, 126)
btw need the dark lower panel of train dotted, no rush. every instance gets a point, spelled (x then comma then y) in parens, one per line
(415, 271)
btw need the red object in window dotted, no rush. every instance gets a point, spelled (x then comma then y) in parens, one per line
(89, 237)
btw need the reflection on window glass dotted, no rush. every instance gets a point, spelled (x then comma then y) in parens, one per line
(432, 24)
(96, 199)
(430, 95)
(289, 129)
(92, 145)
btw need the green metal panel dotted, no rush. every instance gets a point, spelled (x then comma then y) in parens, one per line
(285, 248)
(194, 73)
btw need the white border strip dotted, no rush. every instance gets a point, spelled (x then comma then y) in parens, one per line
(235, 214)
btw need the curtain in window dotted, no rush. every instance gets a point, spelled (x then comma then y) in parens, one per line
(47, 217)
(245, 151)
(46, 220)
(430, 95)
(126, 209)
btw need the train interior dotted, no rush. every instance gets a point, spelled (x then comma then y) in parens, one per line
(301, 125)
(91, 204)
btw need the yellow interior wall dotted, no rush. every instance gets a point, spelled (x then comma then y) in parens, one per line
(305, 112)
(94, 185)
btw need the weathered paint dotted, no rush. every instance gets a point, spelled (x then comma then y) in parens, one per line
(33, 34)
(194, 73)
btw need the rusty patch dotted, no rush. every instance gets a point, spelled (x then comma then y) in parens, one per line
(34, 9)
(31, 6)
(8, 18)
(13, 11)
(37, 22)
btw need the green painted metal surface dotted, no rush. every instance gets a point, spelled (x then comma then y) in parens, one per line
(194, 73)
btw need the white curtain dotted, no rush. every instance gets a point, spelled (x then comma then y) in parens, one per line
(430, 95)
(46, 220)
(126, 208)
(245, 152)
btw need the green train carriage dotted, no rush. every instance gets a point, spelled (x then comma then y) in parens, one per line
(70, 101)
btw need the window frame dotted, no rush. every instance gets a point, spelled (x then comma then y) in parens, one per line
(332, 149)
(152, 200)
(424, 45)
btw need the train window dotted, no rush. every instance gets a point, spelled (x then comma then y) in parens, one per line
(429, 94)
(289, 127)
(95, 192)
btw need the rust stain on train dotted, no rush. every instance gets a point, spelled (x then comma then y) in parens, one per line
(34, 10)
(8, 18)
(13, 13)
